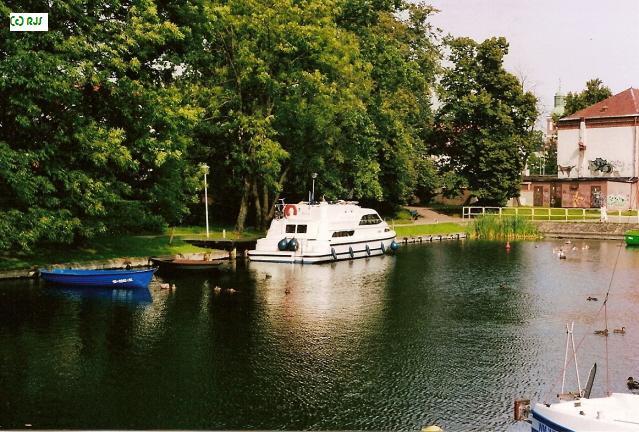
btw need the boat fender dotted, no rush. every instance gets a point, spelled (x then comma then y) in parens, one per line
(283, 244)
(394, 246)
(293, 244)
(350, 251)
(290, 210)
(383, 248)
(333, 253)
(368, 250)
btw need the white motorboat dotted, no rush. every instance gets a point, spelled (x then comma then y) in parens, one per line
(617, 412)
(316, 232)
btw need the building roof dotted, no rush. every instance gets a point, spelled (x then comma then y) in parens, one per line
(625, 103)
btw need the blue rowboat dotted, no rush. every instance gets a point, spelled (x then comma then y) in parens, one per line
(100, 278)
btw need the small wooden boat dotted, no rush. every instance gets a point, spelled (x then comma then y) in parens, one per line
(632, 237)
(183, 264)
(99, 278)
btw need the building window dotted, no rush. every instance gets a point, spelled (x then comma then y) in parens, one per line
(370, 219)
(343, 233)
(301, 229)
(290, 228)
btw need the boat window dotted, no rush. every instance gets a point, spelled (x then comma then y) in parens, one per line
(301, 228)
(370, 219)
(343, 233)
(290, 228)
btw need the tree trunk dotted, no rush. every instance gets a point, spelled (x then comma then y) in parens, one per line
(241, 216)
(266, 206)
(271, 211)
(258, 206)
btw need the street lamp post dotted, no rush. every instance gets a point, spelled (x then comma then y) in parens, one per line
(205, 170)
(314, 175)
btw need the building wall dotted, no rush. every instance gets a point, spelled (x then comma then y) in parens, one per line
(615, 195)
(609, 151)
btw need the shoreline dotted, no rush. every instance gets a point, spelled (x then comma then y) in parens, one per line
(560, 230)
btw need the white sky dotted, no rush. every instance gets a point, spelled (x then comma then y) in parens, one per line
(552, 40)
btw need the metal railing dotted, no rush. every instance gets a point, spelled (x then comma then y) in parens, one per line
(554, 214)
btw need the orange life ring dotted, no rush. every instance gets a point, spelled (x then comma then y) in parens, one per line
(290, 210)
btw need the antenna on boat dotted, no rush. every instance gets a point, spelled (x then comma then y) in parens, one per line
(314, 176)
(570, 337)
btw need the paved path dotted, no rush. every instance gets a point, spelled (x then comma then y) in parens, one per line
(429, 216)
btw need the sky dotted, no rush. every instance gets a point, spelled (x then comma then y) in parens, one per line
(554, 41)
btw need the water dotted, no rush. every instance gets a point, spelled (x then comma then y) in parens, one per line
(445, 333)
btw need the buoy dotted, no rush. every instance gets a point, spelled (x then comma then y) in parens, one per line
(507, 245)
(432, 428)
(293, 245)
(283, 244)
(394, 246)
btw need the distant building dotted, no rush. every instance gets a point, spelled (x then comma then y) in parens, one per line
(597, 157)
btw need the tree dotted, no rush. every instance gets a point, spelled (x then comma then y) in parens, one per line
(401, 47)
(594, 92)
(484, 127)
(94, 126)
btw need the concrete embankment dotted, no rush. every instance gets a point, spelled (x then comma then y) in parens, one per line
(115, 263)
(585, 230)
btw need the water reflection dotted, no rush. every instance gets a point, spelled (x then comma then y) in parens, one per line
(130, 296)
(448, 333)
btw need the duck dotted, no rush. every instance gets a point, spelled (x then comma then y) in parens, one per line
(165, 286)
(621, 330)
(231, 290)
(217, 289)
(561, 254)
(287, 290)
(592, 298)
(503, 285)
(567, 242)
(603, 332)
(267, 276)
(632, 384)
(585, 247)
(574, 248)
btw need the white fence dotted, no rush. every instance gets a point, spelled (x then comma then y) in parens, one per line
(555, 214)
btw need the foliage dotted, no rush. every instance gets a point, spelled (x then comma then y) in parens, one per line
(484, 127)
(90, 119)
(505, 228)
(594, 92)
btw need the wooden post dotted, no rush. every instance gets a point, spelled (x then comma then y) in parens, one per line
(233, 253)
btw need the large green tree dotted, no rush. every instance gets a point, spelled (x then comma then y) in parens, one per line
(282, 86)
(484, 126)
(402, 49)
(594, 92)
(94, 124)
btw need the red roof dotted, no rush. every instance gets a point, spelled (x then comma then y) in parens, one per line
(625, 103)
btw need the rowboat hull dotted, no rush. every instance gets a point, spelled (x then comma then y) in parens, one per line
(179, 265)
(99, 278)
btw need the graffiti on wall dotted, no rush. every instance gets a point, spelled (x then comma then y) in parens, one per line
(604, 166)
(617, 200)
(578, 199)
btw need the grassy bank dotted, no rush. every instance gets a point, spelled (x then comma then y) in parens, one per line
(171, 242)
(438, 228)
(505, 228)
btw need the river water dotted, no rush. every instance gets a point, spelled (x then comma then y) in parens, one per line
(446, 333)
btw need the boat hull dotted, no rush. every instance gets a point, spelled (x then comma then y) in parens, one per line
(617, 412)
(99, 278)
(180, 265)
(336, 252)
(632, 238)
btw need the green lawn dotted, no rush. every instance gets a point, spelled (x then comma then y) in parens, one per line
(118, 247)
(419, 230)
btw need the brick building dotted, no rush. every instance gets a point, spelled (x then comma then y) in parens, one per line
(597, 158)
